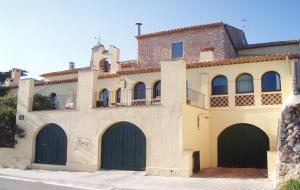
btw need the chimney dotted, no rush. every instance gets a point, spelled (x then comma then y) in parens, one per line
(139, 28)
(71, 65)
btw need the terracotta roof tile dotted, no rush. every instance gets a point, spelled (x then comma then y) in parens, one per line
(41, 83)
(106, 76)
(208, 49)
(203, 26)
(128, 64)
(277, 43)
(139, 70)
(64, 72)
(242, 60)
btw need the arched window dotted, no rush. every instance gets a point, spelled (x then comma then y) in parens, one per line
(219, 85)
(156, 90)
(139, 91)
(270, 81)
(118, 95)
(244, 83)
(104, 98)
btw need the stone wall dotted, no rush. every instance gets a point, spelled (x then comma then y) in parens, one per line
(290, 135)
(152, 50)
(289, 144)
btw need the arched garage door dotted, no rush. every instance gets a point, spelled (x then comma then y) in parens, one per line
(243, 146)
(51, 145)
(123, 147)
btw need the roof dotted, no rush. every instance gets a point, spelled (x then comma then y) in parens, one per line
(203, 26)
(243, 60)
(251, 59)
(124, 65)
(64, 72)
(267, 44)
(128, 64)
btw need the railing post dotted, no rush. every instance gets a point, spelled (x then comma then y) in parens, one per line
(257, 92)
(25, 95)
(148, 96)
(87, 80)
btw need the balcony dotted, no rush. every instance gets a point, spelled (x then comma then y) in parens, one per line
(195, 98)
(54, 102)
(127, 97)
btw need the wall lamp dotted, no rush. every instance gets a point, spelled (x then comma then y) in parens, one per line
(201, 115)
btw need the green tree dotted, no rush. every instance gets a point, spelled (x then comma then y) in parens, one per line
(9, 130)
(3, 77)
(41, 102)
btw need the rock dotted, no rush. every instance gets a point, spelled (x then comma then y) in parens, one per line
(296, 128)
(287, 121)
(290, 126)
(296, 147)
(290, 131)
(283, 135)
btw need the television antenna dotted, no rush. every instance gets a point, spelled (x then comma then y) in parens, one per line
(244, 23)
(98, 39)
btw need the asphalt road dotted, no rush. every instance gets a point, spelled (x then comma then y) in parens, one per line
(12, 184)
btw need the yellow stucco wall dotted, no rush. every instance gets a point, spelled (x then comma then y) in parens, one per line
(262, 116)
(195, 131)
(172, 129)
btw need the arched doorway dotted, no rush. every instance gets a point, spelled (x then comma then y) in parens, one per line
(123, 147)
(51, 145)
(243, 146)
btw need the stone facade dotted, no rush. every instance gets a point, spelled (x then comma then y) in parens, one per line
(155, 48)
(290, 135)
(289, 147)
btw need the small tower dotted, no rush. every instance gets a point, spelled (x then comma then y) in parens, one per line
(101, 57)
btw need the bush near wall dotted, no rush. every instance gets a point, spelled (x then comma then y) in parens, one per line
(291, 184)
(8, 127)
(41, 102)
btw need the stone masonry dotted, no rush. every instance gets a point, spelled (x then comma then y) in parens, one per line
(156, 48)
(289, 149)
(289, 134)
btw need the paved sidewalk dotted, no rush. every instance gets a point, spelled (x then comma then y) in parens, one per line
(125, 180)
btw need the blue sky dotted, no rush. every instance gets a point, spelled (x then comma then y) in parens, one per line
(44, 35)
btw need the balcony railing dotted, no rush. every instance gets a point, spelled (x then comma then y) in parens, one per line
(127, 97)
(219, 101)
(195, 98)
(244, 99)
(271, 98)
(57, 102)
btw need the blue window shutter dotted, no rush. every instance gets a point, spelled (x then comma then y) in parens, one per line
(177, 50)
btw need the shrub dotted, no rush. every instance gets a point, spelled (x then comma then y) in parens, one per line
(41, 102)
(8, 127)
(291, 184)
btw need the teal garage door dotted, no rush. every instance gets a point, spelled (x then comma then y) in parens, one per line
(123, 148)
(243, 146)
(51, 145)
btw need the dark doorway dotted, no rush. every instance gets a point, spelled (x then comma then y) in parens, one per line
(243, 146)
(123, 147)
(196, 161)
(51, 145)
